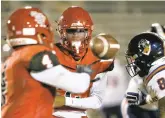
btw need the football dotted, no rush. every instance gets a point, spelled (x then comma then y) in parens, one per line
(104, 46)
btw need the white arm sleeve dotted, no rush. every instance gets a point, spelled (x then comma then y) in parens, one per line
(134, 84)
(61, 78)
(96, 95)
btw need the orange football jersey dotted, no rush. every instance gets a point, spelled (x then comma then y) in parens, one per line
(67, 61)
(23, 96)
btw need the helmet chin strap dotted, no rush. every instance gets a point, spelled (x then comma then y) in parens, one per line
(77, 45)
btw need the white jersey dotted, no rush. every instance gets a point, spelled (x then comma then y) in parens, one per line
(155, 80)
(116, 85)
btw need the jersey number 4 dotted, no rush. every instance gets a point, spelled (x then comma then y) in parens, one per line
(46, 61)
(161, 83)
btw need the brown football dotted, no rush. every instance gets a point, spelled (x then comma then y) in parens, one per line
(104, 46)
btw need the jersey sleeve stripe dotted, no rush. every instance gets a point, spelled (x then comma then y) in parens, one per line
(149, 77)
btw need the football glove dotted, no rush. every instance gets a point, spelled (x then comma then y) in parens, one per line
(84, 69)
(136, 98)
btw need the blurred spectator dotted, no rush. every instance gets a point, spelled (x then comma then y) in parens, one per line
(116, 85)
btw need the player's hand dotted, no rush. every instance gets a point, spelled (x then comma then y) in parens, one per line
(84, 69)
(59, 101)
(134, 98)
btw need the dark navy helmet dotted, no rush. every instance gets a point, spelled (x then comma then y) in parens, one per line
(143, 50)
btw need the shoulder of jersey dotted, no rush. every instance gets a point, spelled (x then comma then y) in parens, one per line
(25, 53)
(154, 71)
(34, 54)
(29, 51)
(90, 56)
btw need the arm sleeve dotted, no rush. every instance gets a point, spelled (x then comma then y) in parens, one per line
(94, 101)
(134, 84)
(61, 78)
(45, 67)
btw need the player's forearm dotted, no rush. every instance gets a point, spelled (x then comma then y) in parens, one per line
(161, 104)
(92, 102)
(61, 78)
(134, 85)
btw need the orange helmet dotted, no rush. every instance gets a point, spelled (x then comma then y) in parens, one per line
(27, 26)
(75, 18)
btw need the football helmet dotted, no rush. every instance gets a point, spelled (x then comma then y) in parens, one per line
(75, 27)
(27, 26)
(143, 50)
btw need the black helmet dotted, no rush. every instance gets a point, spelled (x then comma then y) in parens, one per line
(143, 50)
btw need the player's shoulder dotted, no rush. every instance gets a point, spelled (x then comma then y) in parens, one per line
(90, 56)
(35, 57)
(25, 54)
(65, 58)
(157, 71)
(43, 59)
(105, 65)
(29, 51)
(158, 68)
(58, 47)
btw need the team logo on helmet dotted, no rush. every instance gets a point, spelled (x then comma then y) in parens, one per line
(144, 46)
(78, 24)
(39, 18)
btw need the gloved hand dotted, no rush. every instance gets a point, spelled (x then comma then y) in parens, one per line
(84, 69)
(136, 98)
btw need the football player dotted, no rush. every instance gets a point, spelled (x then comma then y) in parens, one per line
(30, 35)
(75, 27)
(145, 57)
(136, 86)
